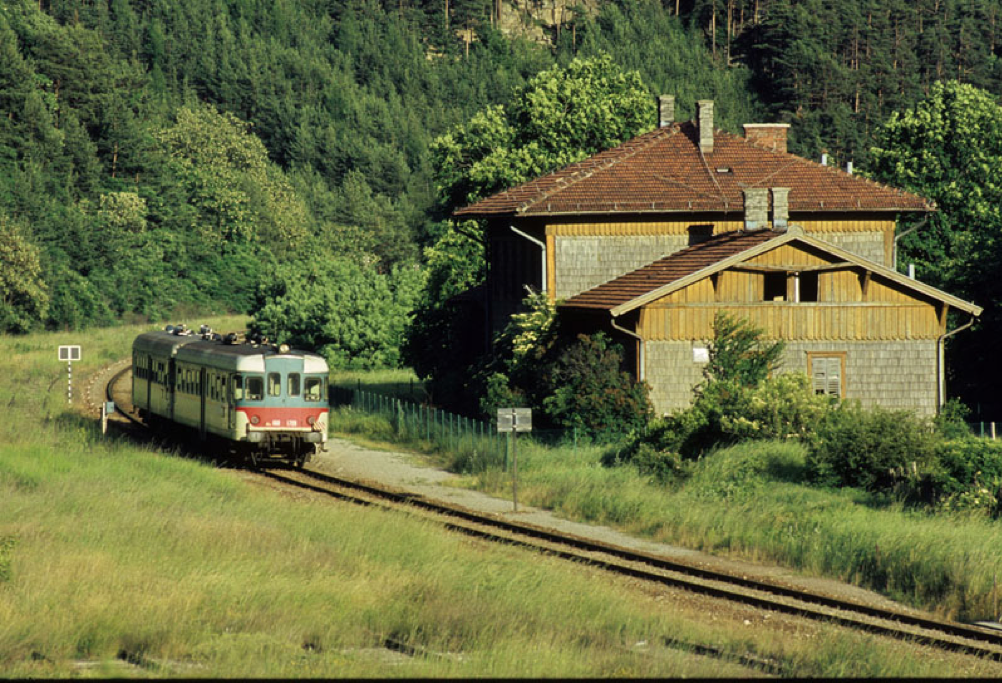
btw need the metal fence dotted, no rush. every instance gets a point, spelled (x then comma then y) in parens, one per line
(476, 442)
(985, 429)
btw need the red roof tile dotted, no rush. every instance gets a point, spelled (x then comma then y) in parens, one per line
(663, 171)
(668, 269)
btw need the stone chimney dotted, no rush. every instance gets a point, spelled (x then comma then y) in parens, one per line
(771, 136)
(780, 207)
(705, 123)
(666, 110)
(756, 207)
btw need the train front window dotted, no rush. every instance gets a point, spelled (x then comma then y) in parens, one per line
(313, 388)
(293, 384)
(274, 384)
(255, 388)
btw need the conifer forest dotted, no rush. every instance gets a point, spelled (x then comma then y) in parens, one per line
(298, 160)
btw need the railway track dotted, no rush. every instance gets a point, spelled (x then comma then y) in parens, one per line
(943, 635)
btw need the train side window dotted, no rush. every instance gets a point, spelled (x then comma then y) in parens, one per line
(255, 388)
(238, 387)
(274, 384)
(293, 384)
(313, 388)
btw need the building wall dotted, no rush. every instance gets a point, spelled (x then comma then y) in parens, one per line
(869, 245)
(899, 375)
(585, 262)
(589, 254)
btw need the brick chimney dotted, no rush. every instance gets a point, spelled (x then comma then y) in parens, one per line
(756, 207)
(780, 207)
(666, 110)
(705, 124)
(771, 136)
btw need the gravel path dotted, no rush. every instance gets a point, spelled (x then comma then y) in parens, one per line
(408, 472)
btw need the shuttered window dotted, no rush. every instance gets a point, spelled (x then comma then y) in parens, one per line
(827, 374)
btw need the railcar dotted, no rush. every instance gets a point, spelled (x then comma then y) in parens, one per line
(265, 402)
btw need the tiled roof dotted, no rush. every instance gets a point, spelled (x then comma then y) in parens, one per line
(663, 171)
(673, 267)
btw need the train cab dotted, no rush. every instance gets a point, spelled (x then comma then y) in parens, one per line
(265, 401)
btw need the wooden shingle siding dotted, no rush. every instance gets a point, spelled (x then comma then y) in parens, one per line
(899, 375)
(585, 255)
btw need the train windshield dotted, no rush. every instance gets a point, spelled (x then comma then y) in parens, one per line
(293, 384)
(255, 388)
(274, 384)
(313, 388)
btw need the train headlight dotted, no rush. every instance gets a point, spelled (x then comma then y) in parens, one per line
(254, 419)
(311, 420)
(283, 348)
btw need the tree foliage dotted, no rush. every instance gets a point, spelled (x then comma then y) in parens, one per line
(948, 148)
(23, 297)
(344, 310)
(560, 116)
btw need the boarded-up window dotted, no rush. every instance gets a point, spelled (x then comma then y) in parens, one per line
(827, 374)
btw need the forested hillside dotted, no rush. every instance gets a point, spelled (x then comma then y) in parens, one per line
(167, 157)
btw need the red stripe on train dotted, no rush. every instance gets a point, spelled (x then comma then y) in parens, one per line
(282, 417)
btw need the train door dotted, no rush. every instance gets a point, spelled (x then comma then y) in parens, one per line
(171, 377)
(148, 374)
(284, 382)
(202, 391)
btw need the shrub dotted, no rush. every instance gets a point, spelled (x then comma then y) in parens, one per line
(970, 475)
(951, 422)
(585, 388)
(870, 449)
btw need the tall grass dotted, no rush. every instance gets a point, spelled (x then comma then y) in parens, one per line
(746, 501)
(112, 549)
(749, 501)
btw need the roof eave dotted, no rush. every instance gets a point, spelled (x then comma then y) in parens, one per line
(461, 213)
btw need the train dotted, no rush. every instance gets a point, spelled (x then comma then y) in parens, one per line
(263, 402)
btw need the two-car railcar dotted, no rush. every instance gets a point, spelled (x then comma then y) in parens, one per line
(264, 401)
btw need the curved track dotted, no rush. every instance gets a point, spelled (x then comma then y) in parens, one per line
(950, 636)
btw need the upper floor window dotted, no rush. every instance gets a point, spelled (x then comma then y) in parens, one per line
(774, 286)
(808, 286)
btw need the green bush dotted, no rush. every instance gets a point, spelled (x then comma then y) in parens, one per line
(585, 388)
(871, 449)
(970, 476)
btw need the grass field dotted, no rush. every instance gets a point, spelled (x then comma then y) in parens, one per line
(118, 559)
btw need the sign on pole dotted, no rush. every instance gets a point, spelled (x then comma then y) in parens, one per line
(513, 421)
(69, 354)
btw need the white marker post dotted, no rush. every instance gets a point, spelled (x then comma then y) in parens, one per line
(69, 354)
(514, 420)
